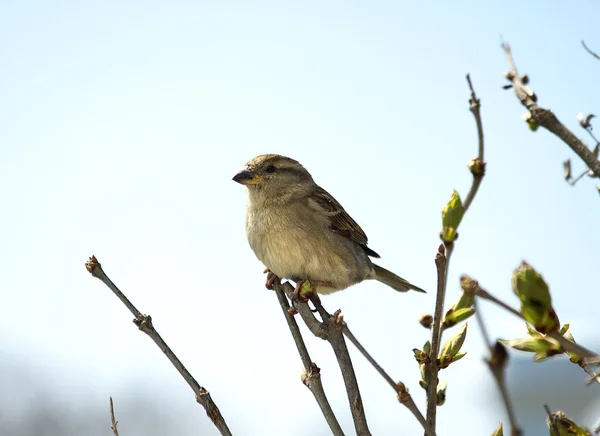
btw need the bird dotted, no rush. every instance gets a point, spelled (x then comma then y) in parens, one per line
(300, 232)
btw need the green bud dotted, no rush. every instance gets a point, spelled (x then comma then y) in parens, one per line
(561, 425)
(536, 303)
(453, 317)
(528, 118)
(451, 217)
(306, 289)
(441, 393)
(452, 346)
(498, 431)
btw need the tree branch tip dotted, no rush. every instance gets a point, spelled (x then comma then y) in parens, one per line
(93, 266)
(337, 319)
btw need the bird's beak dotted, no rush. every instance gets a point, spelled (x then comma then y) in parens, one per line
(246, 177)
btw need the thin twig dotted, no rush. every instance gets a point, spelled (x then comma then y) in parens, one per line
(113, 423)
(487, 339)
(328, 331)
(575, 180)
(144, 323)
(403, 396)
(590, 51)
(497, 362)
(441, 263)
(312, 375)
(546, 118)
(477, 170)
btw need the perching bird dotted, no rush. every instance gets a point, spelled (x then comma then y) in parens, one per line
(300, 232)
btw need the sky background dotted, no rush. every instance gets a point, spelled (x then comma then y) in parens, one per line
(122, 123)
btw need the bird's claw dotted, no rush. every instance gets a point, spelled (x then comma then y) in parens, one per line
(272, 279)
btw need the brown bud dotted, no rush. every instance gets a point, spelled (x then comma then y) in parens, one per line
(426, 320)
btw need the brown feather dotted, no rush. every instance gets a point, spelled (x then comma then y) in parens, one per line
(341, 222)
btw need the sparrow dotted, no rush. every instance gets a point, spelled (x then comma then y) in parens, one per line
(301, 233)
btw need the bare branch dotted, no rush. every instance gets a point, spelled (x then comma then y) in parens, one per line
(312, 375)
(402, 392)
(328, 331)
(477, 165)
(442, 261)
(331, 327)
(113, 423)
(497, 362)
(589, 51)
(546, 118)
(144, 323)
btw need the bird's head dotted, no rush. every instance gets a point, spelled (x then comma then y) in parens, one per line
(275, 176)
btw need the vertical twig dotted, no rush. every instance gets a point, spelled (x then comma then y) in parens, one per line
(402, 392)
(497, 362)
(312, 375)
(328, 331)
(113, 423)
(441, 263)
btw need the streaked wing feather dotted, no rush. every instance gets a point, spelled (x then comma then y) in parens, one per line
(341, 222)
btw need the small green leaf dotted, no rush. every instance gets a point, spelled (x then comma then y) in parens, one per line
(458, 356)
(498, 431)
(561, 425)
(455, 316)
(452, 346)
(427, 348)
(466, 300)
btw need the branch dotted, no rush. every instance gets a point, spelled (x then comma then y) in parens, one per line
(497, 362)
(331, 327)
(312, 375)
(573, 347)
(441, 263)
(402, 392)
(477, 165)
(545, 117)
(113, 423)
(328, 331)
(590, 51)
(144, 323)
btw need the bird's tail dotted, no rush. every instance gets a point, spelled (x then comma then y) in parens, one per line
(392, 280)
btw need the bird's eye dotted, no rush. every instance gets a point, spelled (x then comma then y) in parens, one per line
(270, 169)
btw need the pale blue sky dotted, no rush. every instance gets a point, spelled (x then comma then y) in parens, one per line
(122, 124)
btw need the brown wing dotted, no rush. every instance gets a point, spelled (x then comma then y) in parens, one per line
(341, 222)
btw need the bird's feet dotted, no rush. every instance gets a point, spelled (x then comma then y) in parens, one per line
(272, 279)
